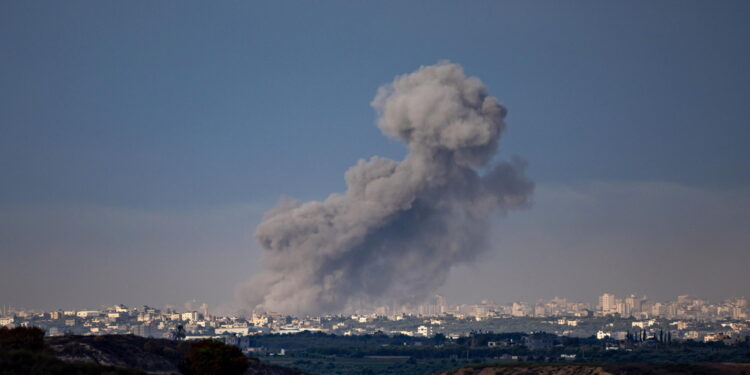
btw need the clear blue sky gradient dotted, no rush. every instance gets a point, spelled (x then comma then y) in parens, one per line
(182, 106)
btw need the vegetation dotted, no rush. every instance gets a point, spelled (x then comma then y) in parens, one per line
(23, 351)
(211, 357)
(22, 338)
(594, 368)
(27, 351)
(321, 353)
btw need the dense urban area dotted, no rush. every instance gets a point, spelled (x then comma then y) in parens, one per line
(428, 338)
(686, 318)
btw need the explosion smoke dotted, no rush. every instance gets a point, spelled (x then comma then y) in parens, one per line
(400, 226)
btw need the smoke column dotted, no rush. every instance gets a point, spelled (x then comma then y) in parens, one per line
(395, 233)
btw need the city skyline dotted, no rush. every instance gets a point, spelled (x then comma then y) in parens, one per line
(614, 320)
(604, 305)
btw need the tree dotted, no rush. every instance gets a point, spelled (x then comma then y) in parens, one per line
(439, 339)
(178, 333)
(211, 357)
(22, 338)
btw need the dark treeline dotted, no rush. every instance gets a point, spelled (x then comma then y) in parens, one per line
(519, 346)
(26, 351)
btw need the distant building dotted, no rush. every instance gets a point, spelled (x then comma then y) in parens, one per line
(619, 335)
(520, 309)
(643, 324)
(6, 321)
(88, 313)
(537, 341)
(441, 303)
(607, 304)
(633, 304)
(260, 320)
(539, 310)
(424, 331)
(190, 316)
(242, 331)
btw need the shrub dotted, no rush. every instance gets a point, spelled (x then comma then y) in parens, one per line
(211, 357)
(22, 338)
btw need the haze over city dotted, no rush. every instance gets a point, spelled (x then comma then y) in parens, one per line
(141, 145)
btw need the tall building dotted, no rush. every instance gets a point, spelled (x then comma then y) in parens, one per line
(634, 304)
(520, 309)
(442, 304)
(607, 303)
(658, 309)
(539, 310)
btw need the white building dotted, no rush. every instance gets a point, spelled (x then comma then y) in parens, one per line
(607, 304)
(643, 324)
(424, 331)
(88, 313)
(190, 316)
(260, 320)
(242, 331)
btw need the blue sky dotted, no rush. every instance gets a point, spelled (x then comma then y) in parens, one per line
(141, 142)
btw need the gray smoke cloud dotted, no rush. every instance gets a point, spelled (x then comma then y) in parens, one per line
(395, 233)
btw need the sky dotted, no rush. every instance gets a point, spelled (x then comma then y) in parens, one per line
(141, 142)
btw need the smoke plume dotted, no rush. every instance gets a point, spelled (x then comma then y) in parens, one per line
(395, 233)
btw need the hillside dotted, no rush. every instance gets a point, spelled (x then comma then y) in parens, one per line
(128, 351)
(153, 355)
